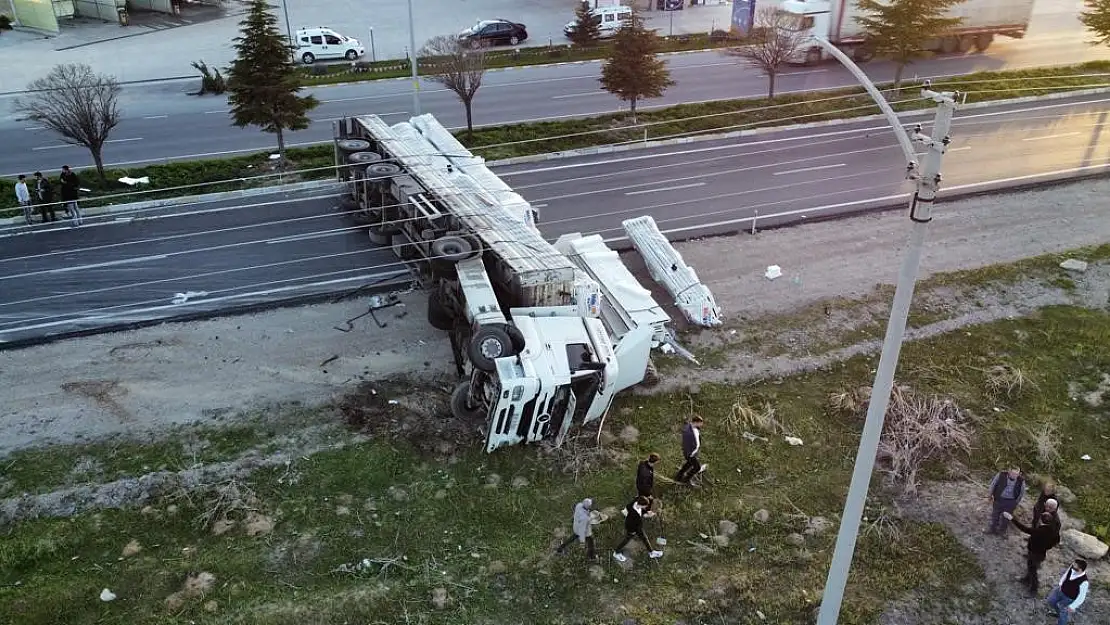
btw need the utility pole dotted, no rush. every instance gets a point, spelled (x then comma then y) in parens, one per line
(288, 27)
(921, 213)
(412, 64)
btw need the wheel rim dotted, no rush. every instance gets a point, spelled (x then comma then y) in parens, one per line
(490, 348)
(308, 58)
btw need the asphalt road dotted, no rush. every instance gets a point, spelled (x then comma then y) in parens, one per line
(133, 268)
(162, 123)
(274, 247)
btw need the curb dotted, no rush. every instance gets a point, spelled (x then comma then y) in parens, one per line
(735, 134)
(308, 185)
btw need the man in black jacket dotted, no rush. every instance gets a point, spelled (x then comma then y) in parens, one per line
(71, 192)
(44, 193)
(634, 528)
(645, 481)
(691, 447)
(1042, 537)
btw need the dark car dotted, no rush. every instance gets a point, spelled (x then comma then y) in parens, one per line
(494, 32)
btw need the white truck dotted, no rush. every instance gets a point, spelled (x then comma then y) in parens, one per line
(835, 21)
(547, 364)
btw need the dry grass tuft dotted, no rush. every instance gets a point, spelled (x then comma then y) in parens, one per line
(883, 526)
(853, 401)
(1046, 444)
(1008, 381)
(225, 501)
(920, 429)
(744, 416)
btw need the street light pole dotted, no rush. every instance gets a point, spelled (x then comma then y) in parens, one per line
(921, 206)
(288, 27)
(412, 64)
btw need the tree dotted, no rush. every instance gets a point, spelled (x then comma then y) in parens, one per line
(633, 72)
(458, 68)
(262, 80)
(1097, 20)
(76, 103)
(899, 29)
(778, 36)
(587, 31)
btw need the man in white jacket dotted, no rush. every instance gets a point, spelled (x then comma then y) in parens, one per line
(1070, 593)
(23, 196)
(581, 529)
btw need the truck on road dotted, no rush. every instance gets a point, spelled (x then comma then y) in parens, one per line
(835, 20)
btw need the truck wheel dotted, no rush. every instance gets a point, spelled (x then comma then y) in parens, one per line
(863, 54)
(461, 406)
(488, 344)
(452, 249)
(378, 237)
(949, 45)
(966, 43)
(351, 55)
(438, 316)
(308, 58)
(983, 41)
(517, 338)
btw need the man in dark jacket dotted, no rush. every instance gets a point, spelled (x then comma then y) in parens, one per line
(44, 193)
(634, 528)
(645, 481)
(1048, 494)
(691, 447)
(71, 192)
(1006, 490)
(1042, 537)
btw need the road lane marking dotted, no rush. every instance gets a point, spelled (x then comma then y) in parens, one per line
(579, 95)
(335, 119)
(805, 169)
(155, 116)
(35, 128)
(216, 112)
(1065, 134)
(308, 236)
(68, 145)
(111, 263)
(681, 186)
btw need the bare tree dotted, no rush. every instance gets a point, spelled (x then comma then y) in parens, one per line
(76, 103)
(458, 68)
(778, 36)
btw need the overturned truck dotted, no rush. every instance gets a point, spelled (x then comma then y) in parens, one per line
(526, 319)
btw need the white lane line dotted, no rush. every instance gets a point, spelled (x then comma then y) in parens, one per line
(35, 128)
(681, 186)
(1065, 134)
(805, 169)
(308, 236)
(539, 206)
(802, 73)
(67, 145)
(579, 95)
(111, 263)
(335, 119)
(155, 116)
(216, 112)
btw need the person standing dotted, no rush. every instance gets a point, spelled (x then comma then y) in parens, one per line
(691, 448)
(1006, 490)
(45, 193)
(71, 192)
(1042, 537)
(645, 481)
(634, 528)
(23, 196)
(1070, 593)
(581, 529)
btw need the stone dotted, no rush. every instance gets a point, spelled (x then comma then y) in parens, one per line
(596, 573)
(493, 480)
(211, 606)
(519, 481)
(1074, 264)
(1085, 545)
(222, 526)
(629, 434)
(258, 524)
(1064, 495)
(497, 567)
(147, 510)
(132, 548)
(761, 516)
(796, 539)
(440, 494)
(171, 509)
(817, 525)
(719, 540)
(439, 598)
(726, 528)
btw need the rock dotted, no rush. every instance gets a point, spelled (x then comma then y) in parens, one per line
(726, 528)
(398, 494)
(796, 539)
(817, 525)
(175, 602)
(197, 585)
(440, 494)
(519, 481)
(259, 524)
(171, 509)
(497, 567)
(493, 480)
(148, 510)
(107, 595)
(761, 516)
(629, 434)
(596, 573)
(211, 606)
(439, 598)
(1085, 545)
(222, 526)
(1073, 264)
(719, 540)
(1064, 495)
(132, 548)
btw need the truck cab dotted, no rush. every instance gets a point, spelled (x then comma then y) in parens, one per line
(815, 18)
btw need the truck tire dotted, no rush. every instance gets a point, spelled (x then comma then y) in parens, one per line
(380, 237)
(949, 45)
(438, 316)
(488, 344)
(461, 407)
(517, 338)
(983, 41)
(863, 54)
(452, 249)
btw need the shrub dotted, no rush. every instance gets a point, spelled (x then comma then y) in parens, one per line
(211, 81)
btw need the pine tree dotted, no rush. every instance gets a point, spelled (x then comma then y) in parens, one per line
(899, 29)
(263, 81)
(587, 31)
(1097, 20)
(633, 71)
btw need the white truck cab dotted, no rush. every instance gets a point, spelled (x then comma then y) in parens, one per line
(608, 19)
(324, 43)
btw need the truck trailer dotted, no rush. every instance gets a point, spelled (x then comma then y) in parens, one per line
(835, 20)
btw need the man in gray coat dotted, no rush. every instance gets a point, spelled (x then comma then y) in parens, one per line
(1006, 490)
(581, 529)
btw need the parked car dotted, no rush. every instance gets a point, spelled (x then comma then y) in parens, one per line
(494, 32)
(324, 43)
(608, 20)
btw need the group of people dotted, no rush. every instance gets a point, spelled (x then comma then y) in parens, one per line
(41, 195)
(641, 507)
(1007, 489)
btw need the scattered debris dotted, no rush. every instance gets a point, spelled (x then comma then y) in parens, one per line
(181, 298)
(1085, 457)
(793, 441)
(131, 182)
(107, 595)
(773, 271)
(1074, 264)
(519, 481)
(131, 549)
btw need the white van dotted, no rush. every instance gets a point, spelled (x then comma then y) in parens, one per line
(608, 20)
(324, 43)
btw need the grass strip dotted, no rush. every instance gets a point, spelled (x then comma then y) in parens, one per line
(510, 140)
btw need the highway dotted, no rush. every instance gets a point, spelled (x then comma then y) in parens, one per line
(162, 123)
(129, 268)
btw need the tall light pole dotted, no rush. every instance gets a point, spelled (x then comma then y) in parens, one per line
(288, 27)
(412, 64)
(921, 207)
